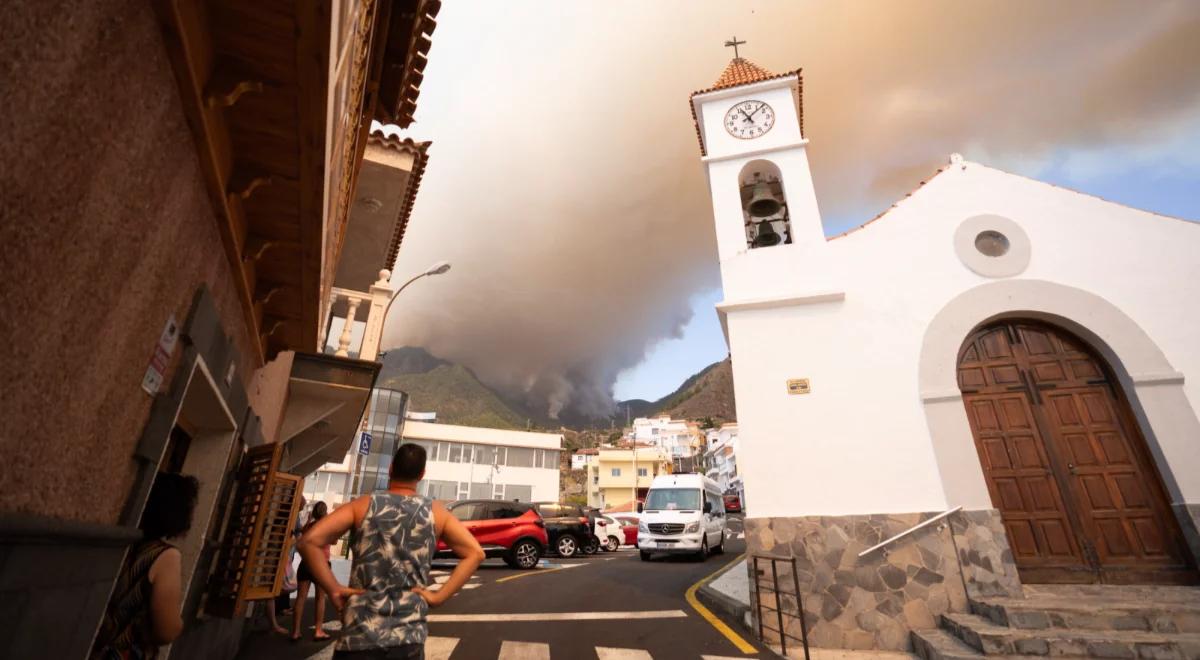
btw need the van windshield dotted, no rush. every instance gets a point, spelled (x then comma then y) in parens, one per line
(673, 498)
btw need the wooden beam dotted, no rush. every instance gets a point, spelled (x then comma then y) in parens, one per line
(190, 48)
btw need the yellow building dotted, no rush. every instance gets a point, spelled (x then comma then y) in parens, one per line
(618, 472)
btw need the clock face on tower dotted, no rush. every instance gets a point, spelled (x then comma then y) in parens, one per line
(749, 119)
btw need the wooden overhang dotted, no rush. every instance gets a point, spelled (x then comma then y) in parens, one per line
(279, 95)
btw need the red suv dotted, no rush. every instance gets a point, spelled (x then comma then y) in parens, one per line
(511, 531)
(733, 504)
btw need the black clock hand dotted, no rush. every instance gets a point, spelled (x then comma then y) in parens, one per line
(760, 107)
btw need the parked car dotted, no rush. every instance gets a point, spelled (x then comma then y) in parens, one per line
(597, 541)
(683, 514)
(611, 533)
(567, 526)
(512, 531)
(733, 504)
(629, 528)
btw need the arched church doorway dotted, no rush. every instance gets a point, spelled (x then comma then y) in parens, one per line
(1065, 461)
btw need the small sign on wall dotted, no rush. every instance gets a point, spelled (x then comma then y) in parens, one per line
(364, 444)
(161, 357)
(798, 386)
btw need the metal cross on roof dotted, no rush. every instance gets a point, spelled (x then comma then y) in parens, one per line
(734, 43)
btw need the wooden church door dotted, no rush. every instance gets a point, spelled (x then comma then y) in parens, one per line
(1065, 462)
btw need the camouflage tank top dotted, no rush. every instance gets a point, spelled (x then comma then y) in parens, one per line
(392, 553)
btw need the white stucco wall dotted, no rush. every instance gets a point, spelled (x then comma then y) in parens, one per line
(860, 442)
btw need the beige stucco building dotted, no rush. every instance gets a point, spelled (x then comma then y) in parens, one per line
(179, 181)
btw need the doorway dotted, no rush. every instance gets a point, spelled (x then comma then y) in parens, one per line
(1065, 461)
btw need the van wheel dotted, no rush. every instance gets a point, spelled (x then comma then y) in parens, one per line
(720, 549)
(703, 554)
(645, 555)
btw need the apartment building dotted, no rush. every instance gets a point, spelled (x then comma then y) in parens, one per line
(721, 459)
(682, 441)
(480, 463)
(619, 475)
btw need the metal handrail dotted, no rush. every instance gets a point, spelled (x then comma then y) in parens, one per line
(921, 525)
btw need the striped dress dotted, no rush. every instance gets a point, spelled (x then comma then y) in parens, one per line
(393, 550)
(125, 630)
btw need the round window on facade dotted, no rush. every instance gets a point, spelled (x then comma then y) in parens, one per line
(991, 243)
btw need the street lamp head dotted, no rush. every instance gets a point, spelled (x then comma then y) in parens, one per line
(438, 268)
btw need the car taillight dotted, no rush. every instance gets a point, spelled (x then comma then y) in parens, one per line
(583, 519)
(602, 523)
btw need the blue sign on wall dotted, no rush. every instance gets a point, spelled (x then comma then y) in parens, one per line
(364, 444)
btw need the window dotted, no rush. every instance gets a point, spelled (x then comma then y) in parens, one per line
(596, 479)
(456, 453)
(520, 457)
(506, 510)
(337, 482)
(481, 491)
(642, 472)
(549, 510)
(440, 490)
(485, 455)
(470, 511)
(252, 559)
(517, 493)
(616, 472)
(684, 499)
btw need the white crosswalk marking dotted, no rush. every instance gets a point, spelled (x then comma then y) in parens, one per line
(555, 616)
(524, 651)
(605, 653)
(442, 648)
(439, 648)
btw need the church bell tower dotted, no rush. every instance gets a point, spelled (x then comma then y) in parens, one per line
(751, 129)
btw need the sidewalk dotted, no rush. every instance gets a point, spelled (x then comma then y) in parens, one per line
(730, 593)
(260, 643)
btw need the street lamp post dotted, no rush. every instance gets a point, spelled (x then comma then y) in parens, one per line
(438, 268)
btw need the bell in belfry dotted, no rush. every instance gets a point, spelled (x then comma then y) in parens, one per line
(763, 203)
(765, 236)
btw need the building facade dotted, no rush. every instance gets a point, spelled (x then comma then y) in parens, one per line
(582, 458)
(720, 459)
(621, 477)
(682, 441)
(1017, 357)
(467, 462)
(212, 153)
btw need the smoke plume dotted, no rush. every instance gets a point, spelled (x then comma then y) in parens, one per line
(565, 185)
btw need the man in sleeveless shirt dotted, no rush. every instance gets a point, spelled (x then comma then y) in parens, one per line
(385, 606)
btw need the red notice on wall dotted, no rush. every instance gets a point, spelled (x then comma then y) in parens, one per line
(161, 357)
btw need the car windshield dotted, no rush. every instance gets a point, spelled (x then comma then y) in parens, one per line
(673, 498)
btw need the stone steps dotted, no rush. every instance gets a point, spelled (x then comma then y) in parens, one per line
(1085, 614)
(937, 644)
(988, 638)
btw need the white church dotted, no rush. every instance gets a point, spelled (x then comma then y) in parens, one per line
(984, 394)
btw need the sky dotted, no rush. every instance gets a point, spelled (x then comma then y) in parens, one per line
(565, 186)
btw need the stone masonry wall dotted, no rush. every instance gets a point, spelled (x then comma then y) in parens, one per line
(874, 601)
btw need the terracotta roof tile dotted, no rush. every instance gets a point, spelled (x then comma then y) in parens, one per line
(742, 71)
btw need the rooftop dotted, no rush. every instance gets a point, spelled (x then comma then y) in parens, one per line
(484, 436)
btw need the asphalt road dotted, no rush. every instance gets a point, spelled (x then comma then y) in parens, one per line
(608, 606)
(615, 584)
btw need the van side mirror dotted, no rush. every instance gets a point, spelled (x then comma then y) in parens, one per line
(640, 507)
(707, 507)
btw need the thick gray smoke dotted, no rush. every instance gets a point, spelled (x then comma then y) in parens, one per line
(565, 184)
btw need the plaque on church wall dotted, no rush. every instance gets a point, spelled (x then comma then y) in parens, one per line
(798, 386)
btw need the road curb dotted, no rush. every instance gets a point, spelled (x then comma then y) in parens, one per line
(719, 601)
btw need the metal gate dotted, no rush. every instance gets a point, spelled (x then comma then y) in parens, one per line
(770, 585)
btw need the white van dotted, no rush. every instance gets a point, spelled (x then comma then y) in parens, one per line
(683, 514)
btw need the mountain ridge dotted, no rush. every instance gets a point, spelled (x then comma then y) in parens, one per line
(458, 396)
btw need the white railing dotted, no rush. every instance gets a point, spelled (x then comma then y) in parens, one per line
(353, 300)
(919, 526)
